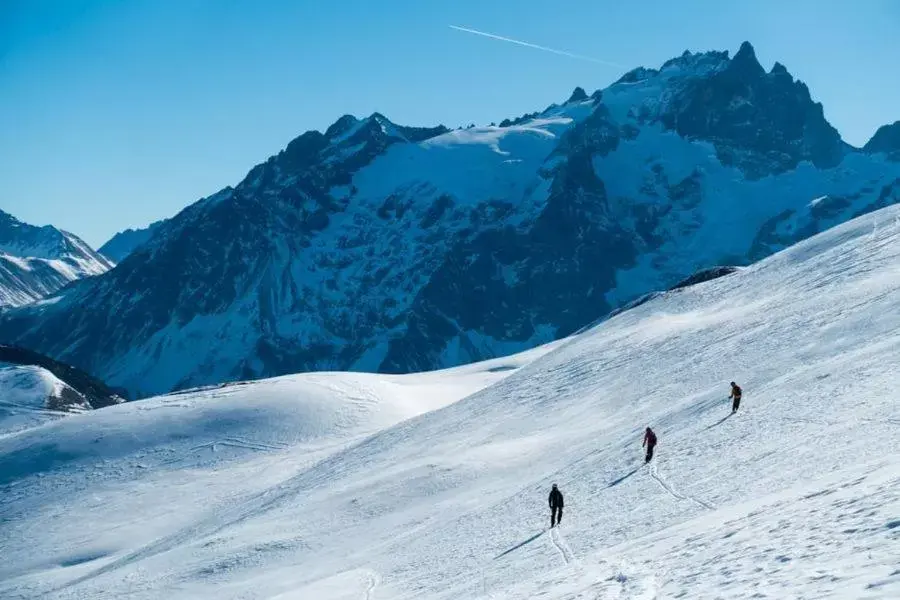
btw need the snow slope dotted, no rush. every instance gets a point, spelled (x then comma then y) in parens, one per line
(228, 442)
(796, 496)
(31, 395)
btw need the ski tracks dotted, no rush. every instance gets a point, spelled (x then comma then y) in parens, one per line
(561, 546)
(675, 493)
(374, 580)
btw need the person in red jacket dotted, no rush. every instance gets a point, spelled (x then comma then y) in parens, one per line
(650, 443)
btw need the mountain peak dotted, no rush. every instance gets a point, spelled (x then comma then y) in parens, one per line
(779, 69)
(37, 261)
(745, 59)
(341, 126)
(578, 95)
(746, 50)
(736, 104)
(886, 140)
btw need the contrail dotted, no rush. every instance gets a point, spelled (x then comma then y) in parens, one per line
(536, 47)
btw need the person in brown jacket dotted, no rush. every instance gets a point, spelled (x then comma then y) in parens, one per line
(736, 396)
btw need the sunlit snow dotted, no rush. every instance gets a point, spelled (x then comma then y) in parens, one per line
(435, 485)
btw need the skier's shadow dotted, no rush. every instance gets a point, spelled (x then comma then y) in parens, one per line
(719, 422)
(519, 545)
(623, 478)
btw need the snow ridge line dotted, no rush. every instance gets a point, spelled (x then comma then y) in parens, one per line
(662, 483)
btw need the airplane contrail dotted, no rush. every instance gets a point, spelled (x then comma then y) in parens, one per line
(537, 47)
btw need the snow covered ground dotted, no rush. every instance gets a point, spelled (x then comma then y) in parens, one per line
(368, 487)
(31, 396)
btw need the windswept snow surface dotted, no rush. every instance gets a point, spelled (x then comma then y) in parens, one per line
(140, 477)
(795, 496)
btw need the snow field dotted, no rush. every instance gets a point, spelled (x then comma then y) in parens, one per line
(327, 493)
(26, 393)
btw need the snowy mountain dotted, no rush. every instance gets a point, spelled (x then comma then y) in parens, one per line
(92, 391)
(35, 389)
(37, 261)
(125, 242)
(30, 396)
(349, 486)
(377, 247)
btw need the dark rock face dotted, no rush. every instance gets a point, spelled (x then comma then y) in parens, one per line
(125, 242)
(578, 95)
(704, 276)
(764, 123)
(374, 246)
(562, 264)
(886, 141)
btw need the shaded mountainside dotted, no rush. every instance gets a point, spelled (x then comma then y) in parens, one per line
(37, 261)
(125, 242)
(886, 141)
(378, 247)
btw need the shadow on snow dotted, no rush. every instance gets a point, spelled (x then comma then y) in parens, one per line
(720, 421)
(519, 545)
(623, 477)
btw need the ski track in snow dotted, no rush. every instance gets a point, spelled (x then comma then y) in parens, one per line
(654, 473)
(237, 443)
(553, 540)
(373, 581)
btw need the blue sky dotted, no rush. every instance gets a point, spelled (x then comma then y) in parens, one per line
(118, 113)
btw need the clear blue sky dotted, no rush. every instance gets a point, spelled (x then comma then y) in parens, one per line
(116, 113)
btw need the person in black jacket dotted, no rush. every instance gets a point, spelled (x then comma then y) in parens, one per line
(650, 443)
(556, 506)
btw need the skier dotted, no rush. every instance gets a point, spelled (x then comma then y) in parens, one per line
(650, 442)
(736, 395)
(556, 506)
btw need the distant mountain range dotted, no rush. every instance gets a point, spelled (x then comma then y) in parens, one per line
(378, 247)
(37, 261)
(125, 242)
